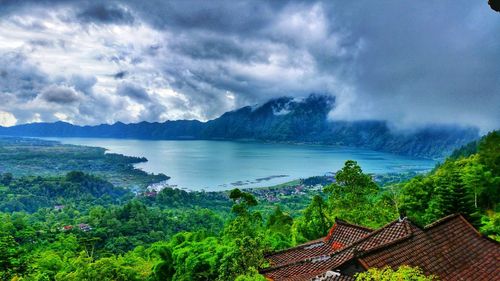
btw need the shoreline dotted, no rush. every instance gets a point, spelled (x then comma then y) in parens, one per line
(258, 182)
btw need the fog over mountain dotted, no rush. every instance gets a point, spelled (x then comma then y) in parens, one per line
(284, 119)
(91, 62)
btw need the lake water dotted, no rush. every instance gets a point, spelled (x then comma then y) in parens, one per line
(218, 165)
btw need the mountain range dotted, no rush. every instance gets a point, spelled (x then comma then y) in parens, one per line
(279, 120)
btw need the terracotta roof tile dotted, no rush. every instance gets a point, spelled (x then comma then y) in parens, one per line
(449, 248)
(340, 235)
(308, 268)
(345, 233)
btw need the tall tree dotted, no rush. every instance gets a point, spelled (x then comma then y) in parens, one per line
(314, 222)
(352, 195)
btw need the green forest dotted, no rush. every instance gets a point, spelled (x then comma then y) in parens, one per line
(29, 157)
(78, 225)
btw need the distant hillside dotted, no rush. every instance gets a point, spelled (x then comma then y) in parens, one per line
(281, 120)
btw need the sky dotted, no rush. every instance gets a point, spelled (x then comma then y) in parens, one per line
(412, 63)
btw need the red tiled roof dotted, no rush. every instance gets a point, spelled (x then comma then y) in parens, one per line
(309, 249)
(344, 233)
(449, 248)
(318, 264)
(340, 235)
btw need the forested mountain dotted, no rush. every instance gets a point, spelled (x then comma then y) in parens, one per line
(279, 120)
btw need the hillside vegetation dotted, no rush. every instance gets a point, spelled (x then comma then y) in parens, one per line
(98, 231)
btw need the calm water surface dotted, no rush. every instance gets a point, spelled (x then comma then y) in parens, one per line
(218, 165)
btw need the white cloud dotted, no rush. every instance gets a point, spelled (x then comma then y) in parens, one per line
(7, 119)
(61, 49)
(99, 50)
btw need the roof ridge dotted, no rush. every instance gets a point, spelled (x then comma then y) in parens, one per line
(464, 220)
(297, 247)
(271, 268)
(428, 227)
(409, 233)
(369, 235)
(393, 242)
(344, 222)
(442, 220)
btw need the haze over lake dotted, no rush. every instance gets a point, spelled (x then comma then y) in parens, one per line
(219, 165)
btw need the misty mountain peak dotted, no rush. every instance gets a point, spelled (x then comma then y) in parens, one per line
(281, 106)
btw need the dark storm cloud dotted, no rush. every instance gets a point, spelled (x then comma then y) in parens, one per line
(42, 43)
(60, 95)
(211, 42)
(83, 84)
(412, 63)
(133, 91)
(32, 95)
(435, 61)
(225, 16)
(120, 74)
(106, 13)
(20, 77)
(152, 108)
(213, 47)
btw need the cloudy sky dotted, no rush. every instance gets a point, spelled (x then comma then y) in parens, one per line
(88, 62)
